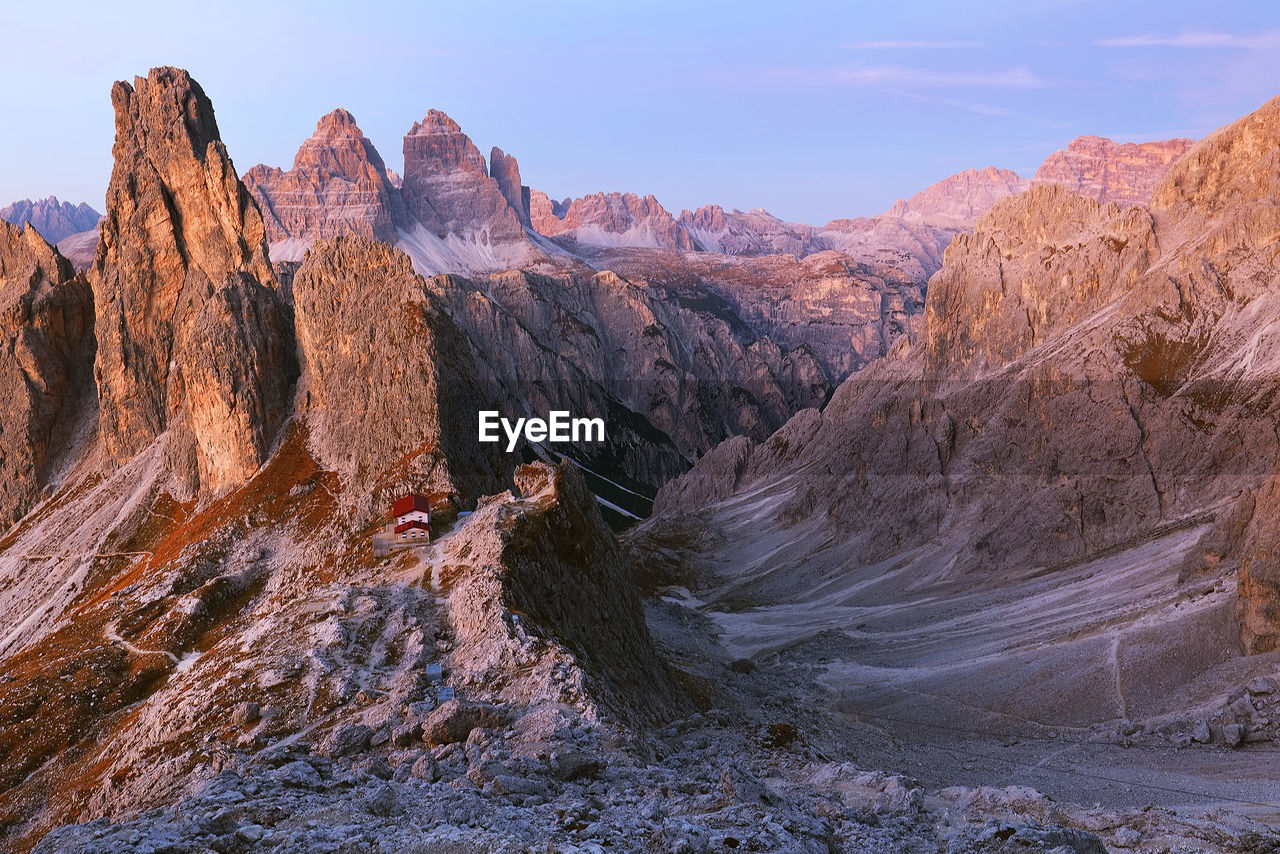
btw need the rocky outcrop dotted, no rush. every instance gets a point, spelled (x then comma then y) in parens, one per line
(757, 232)
(338, 185)
(1033, 266)
(715, 477)
(609, 219)
(1107, 171)
(506, 171)
(193, 340)
(447, 186)
(663, 364)
(54, 220)
(371, 341)
(844, 313)
(958, 201)
(46, 363)
(542, 603)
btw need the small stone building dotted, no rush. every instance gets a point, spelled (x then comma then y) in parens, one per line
(413, 517)
(411, 525)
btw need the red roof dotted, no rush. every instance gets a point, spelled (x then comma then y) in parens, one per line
(413, 523)
(409, 503)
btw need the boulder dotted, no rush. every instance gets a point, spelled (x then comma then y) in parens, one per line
(454, 720)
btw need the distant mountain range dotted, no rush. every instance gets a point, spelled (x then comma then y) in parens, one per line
(455, 212)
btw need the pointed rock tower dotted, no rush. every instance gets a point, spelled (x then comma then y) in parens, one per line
(448, 188)
(193, 340)
(338, 185)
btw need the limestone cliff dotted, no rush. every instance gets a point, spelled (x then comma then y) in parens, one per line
(447, 186)
(46, 362)
(338, 185)
(388, 389)
(192, 337)
(1107, 171)
(506, 171)
(1034, 266)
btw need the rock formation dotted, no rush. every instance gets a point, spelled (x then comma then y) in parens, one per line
(46, 362)
(54, 220)
(911, 246)
(1071, 438)
(844, 313)
(338, 185)
(958, 201)
(388, 387)
(192, 337)
(1126, 174)
(545, 610)
(1038, 265)
(1225, 194)
(447, 185)
(609, 219)
(756, 232)
(507, 173)
(715, 477)
(665, 365)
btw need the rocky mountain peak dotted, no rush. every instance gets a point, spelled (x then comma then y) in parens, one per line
(610, 219)
(54, 220)
(417, 435)
(338, 124)
(439, 145)
(193, 340)
(166, 133)
(1209, 174)
(1001, 290)
(506, 171)
(960, 199)
(338, 185)
(447, 186)
(1125, 173)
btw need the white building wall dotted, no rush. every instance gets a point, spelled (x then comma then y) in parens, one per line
(414, 516)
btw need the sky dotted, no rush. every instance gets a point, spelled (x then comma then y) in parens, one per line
(812, 110)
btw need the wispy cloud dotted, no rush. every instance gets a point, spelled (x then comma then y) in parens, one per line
(1254, 41)
(955, 103)
(896, 75)
(909, 45)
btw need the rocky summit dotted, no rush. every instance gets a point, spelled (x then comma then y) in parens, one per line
(338, 185)
(947, 529)
(199, 352)
(447, 186)
(1126, 174)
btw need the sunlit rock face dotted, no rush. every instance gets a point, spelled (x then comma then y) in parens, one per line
(193, 339)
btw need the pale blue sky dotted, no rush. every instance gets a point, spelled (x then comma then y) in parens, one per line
(814, 110)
